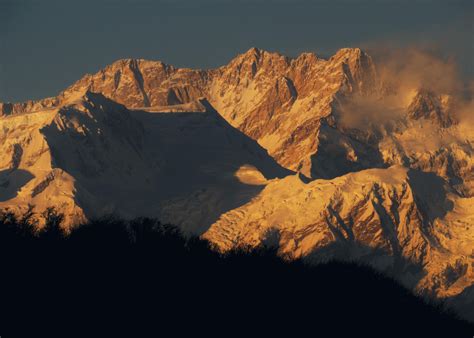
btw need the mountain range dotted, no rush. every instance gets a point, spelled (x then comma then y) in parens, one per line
(321, 158)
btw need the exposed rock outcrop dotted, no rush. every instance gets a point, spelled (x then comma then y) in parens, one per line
(380, 180)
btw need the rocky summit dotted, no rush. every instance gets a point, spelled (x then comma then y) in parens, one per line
(322, 158)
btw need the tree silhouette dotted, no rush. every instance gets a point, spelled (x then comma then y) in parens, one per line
(27, 223)
(111, 268)
(52, 227)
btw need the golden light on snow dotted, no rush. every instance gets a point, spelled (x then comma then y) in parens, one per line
(250, 175)
(322, 151)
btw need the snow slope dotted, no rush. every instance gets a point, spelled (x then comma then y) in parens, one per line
(320, 157)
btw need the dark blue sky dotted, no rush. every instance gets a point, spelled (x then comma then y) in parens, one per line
(46, 45)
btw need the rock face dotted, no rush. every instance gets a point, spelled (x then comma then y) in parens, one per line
(314, 156)
(92, 157)
(275, 100)
(395, 219)
(427, 104)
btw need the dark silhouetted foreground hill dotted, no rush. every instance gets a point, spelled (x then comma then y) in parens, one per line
(142, 278)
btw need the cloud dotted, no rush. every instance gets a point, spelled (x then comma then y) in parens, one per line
(409, 69)
(402, 72)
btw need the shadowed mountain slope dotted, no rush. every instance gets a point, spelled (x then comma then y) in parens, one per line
(100, 158)
(323, 157)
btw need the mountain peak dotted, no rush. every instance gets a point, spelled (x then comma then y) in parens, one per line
(428, 105)
(140, 138)
(307, 56)
(349, 53)
(254, 51)
(353, 56)
(258, 54)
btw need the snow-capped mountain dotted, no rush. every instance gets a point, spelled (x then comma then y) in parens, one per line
(321, 157)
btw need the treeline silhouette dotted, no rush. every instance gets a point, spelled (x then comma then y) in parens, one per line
(144, 277)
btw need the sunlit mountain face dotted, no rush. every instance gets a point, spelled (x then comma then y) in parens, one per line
(327, 158)
(360, 158)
